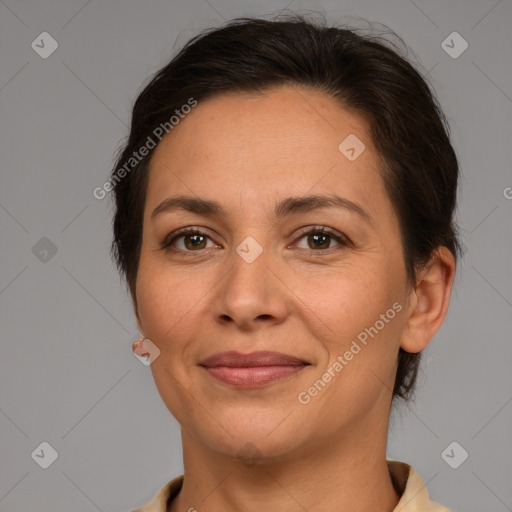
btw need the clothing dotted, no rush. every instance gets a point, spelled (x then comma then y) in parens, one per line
(408, 484)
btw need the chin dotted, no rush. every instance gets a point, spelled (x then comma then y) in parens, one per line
(253, 444)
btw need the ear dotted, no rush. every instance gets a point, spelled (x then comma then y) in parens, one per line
(428, 301)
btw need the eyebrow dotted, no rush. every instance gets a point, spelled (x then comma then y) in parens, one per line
(286, 207)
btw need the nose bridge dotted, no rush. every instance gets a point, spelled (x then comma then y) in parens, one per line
(249, 267)
(250, 250)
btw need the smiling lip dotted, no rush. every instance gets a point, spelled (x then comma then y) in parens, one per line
(252, 370)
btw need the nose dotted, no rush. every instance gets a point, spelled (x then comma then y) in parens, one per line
(251, 295)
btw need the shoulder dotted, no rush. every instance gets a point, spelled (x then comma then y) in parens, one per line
(413, 492)
(162, 498)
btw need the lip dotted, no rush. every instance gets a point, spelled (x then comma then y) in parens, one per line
(235, 359)
(251, 370)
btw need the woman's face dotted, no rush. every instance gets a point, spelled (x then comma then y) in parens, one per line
(335, 303)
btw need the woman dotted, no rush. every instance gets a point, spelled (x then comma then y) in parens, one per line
(284, 221)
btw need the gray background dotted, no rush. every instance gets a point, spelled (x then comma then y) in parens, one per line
(67, 373)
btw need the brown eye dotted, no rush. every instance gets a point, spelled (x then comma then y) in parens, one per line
(191, 240)
(319, 239)
(194, 241)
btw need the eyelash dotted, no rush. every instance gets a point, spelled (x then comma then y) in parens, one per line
(169, 240)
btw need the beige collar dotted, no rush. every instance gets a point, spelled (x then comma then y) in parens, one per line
(408, 484)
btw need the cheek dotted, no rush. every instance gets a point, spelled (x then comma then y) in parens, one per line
(173, 304)
(349, 298)
(163, 300)
(362, 317)
(362, 344)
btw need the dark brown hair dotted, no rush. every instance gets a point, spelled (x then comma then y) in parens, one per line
(365, 73)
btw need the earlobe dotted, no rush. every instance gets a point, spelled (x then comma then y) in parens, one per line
(429, 301)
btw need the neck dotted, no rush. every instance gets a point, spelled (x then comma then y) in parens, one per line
(347, 473)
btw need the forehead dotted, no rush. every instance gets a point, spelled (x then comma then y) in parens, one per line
(256, 145)
(286, 117)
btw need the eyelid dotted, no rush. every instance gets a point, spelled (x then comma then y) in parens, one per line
(187, 230)
(340, 238)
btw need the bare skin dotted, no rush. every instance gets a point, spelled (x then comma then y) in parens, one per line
(308, 299)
